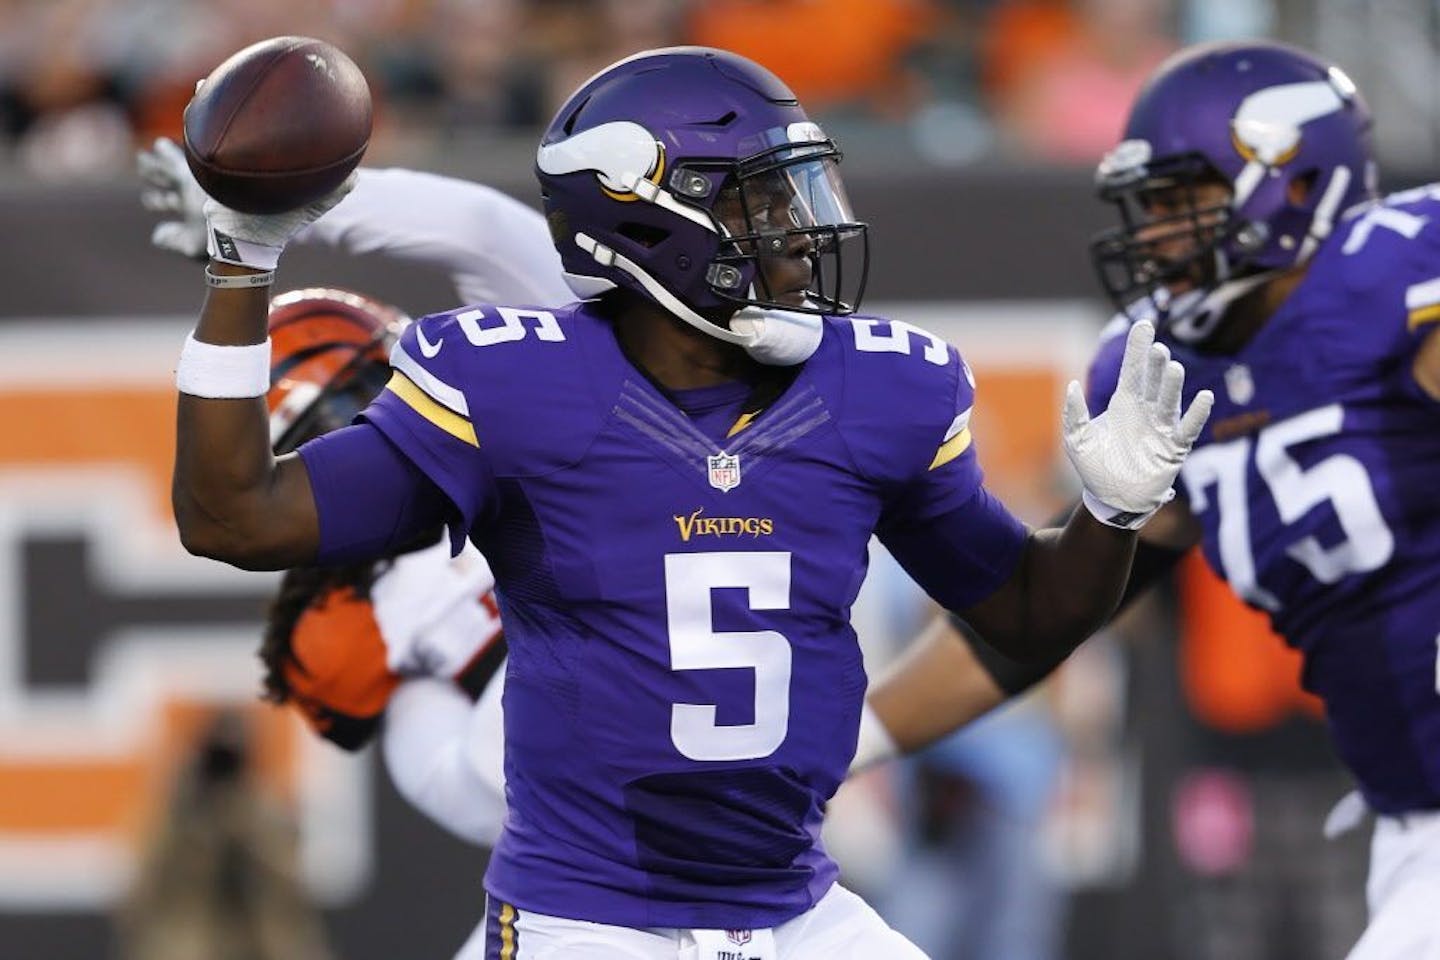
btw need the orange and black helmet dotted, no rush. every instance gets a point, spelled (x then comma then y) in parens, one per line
(330, 356)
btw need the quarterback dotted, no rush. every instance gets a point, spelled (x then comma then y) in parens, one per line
(678, 709)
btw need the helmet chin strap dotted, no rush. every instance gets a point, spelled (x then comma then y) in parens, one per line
(781, 338)
(774, 337)
(1193, 316)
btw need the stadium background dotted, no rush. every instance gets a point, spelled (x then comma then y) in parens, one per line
(1172, 784)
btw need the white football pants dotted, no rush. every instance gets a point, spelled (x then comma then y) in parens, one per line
(1403, 890)
(840, 927)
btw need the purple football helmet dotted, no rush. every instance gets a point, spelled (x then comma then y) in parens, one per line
(677, 173)
(1284, 131)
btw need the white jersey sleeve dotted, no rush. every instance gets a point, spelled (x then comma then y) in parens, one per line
(436, 613)
(443, 754)
(495, 248)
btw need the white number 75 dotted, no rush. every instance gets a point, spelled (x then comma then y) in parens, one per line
(1339, 479)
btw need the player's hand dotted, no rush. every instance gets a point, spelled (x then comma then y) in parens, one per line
(1128, 456)
(257, 240)
(168, 187)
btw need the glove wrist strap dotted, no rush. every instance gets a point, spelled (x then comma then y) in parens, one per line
(1114, 516)
(242, 253)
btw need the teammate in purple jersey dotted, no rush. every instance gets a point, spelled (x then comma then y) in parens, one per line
(675, 481)
(1253, 236)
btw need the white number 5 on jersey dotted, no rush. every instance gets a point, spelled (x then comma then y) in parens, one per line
(694, 645)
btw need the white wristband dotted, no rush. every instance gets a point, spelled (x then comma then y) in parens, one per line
(223, 373)
(875, 743)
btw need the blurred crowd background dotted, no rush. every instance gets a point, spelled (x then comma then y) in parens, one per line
(948, 82)
(1162, 798)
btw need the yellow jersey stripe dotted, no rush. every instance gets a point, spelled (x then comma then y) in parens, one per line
(419, 401)
(951, 448)
(1423, 316)
(741, 422)
(507, 932)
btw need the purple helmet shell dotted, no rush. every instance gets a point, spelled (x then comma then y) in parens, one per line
(639, 166)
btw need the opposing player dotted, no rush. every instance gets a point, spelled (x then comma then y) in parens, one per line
(675, 481)
(413, 638)
(1251, 233)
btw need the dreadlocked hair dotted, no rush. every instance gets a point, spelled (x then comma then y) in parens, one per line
(300, 588)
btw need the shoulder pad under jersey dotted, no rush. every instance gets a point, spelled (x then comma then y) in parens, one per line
(511, 381)
(907, 397)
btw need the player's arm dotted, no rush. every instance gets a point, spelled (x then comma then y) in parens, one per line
(495, 248)
(949, 676)
(1068, 581)
(233, 499)
(444, 755)
(1034, 596)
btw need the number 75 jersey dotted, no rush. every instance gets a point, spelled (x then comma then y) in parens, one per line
(684, 688)
(1317, 484)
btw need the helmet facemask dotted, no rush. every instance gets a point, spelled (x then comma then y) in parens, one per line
(789, 239)
(323, 408)
(330, 358)
(1178, 235)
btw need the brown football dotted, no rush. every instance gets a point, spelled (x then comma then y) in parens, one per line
(278, 125)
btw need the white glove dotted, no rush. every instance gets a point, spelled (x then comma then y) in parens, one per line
(257, 239)
(168, 186)
(1128, 456)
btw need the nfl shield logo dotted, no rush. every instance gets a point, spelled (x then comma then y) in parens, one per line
(1239, 384)
(724, 471)
(738, 937)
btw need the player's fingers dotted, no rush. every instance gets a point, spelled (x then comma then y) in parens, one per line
(163, 236)
(1194, 419)
(1075, 414)
(177, 238)
(169, 150)
(1132, 365)
(1172, 382)
(1155, 360)
(160, 200)
(153, 169)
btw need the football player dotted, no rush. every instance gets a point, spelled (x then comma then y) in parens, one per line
(1252, 235)
(674, 480)
(414, 637)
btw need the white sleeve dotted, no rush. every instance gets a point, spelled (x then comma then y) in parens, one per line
(495, 248)
(424, 742)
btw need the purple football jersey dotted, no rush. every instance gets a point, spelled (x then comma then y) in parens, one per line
(684, 687)
(1316, 479)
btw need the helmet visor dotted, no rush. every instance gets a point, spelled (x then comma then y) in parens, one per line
(790, 229)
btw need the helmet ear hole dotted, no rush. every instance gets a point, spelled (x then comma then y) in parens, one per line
(644, 234)
(569, 126)
(1301, 189)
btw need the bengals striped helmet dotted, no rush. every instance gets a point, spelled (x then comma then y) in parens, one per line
(330, 356)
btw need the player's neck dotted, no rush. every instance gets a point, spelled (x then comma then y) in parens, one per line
(674, 354)
(1251, 312)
